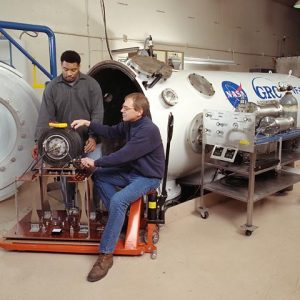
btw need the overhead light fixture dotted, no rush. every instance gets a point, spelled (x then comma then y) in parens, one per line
(207, 61)
(297, 4)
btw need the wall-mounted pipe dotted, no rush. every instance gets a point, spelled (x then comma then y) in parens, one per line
(37, 28)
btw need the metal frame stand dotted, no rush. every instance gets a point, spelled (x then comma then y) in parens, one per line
(31, 234)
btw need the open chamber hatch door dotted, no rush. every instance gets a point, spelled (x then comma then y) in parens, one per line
(117, 80)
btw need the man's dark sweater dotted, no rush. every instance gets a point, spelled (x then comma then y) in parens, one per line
(143, 151)
(65, 102)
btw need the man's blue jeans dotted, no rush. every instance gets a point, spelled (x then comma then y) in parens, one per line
(107, 182)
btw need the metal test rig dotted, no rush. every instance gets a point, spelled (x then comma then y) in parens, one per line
(46, 228)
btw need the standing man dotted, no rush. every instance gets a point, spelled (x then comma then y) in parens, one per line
(70, 96)
(136, 168)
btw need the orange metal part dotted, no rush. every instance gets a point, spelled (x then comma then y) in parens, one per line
(131, 245)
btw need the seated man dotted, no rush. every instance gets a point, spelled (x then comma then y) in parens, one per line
(136, 168)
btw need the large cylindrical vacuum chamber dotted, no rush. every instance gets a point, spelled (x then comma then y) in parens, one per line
(18, 116)
(186, 94)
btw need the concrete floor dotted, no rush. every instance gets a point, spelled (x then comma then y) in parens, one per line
(197, 259)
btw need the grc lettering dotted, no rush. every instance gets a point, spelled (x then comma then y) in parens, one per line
(267, 92)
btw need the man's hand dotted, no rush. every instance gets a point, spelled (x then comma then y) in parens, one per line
(90, 145)
(78, 123)
(34, 152)
(88, 162)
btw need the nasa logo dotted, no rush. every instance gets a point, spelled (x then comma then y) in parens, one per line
(265, 89)
(234, 93)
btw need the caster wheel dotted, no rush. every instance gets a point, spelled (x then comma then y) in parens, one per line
(155, 237)
(154, 254)
(248, 232)
(204, 215)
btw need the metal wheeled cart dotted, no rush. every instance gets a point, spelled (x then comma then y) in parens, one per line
(269, 159)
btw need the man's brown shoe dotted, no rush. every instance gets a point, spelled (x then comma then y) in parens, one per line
(101, 267)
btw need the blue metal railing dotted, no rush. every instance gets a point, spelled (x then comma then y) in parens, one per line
(37, 28)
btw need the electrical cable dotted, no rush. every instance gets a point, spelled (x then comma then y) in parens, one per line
(32, 164)
(105, 27)
(214, 176)
(36, 34)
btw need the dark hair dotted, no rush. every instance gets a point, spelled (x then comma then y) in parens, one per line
(139, 102)
(70, 56)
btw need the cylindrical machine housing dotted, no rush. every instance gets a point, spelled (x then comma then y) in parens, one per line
(271, 110)
(59, 146)
(183, 93)
(290, 105)
(271, 125)
(152, 206)
(191, 95)
(18, 116)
